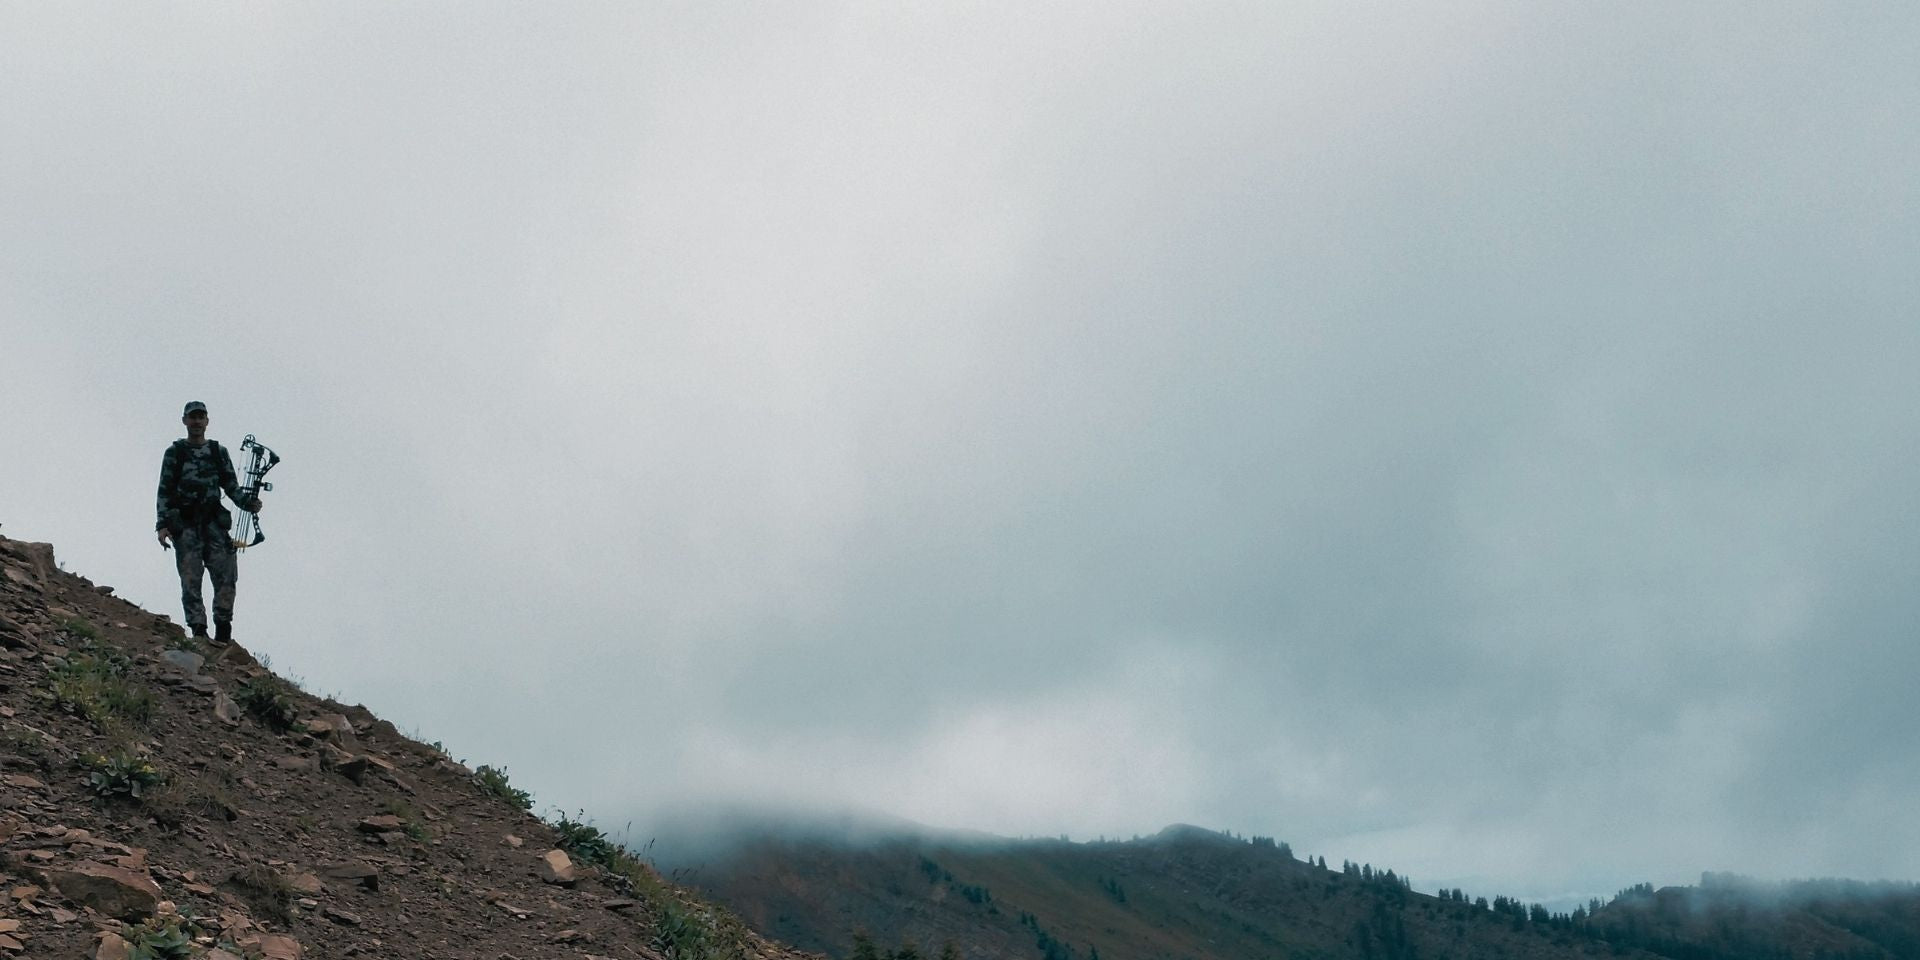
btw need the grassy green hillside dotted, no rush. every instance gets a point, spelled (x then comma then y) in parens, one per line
(1192, 894)
(1185, 894)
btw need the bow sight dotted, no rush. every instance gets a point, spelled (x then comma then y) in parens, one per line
(246, 527)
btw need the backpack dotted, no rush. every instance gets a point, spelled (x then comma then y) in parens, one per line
(173, 484)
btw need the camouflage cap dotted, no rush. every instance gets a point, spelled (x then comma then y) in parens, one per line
(193, 405)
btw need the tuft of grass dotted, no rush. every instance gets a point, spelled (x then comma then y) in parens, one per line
(182, 798)
(494, 783)
(681, 934)
(79, 628)
(414, 826)
(268, 699)
(97, 685)
(265, 889)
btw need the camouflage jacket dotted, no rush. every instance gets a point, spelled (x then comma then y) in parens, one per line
(191, 478)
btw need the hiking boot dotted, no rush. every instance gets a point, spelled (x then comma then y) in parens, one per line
(223, 632)
(200, 633)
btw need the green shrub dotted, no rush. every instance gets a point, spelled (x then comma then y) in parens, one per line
(267, 699)
(494, 783)
(584, 842)
(79, 628)
(122, 774)
(679, 935)
(159, 938)
(97, 686)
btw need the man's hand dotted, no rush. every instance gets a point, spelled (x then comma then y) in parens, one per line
(253, 506)
(164, 537)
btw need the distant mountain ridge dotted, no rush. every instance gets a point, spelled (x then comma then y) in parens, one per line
(1189, 893)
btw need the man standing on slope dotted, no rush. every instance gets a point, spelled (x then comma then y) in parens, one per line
(192, 474)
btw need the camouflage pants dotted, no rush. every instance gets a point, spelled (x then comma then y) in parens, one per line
(206, 548)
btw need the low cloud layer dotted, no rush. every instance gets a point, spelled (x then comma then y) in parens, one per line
(1477, 441)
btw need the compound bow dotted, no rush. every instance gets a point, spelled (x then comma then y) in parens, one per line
(246, 527)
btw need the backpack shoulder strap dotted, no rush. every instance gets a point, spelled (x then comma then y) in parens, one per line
(175, 455)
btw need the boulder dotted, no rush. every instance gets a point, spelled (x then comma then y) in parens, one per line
(185, 661)
(114, 891)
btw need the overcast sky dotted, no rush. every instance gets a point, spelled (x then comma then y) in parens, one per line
(1474, 438)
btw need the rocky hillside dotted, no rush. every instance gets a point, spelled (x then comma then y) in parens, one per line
(164, 799)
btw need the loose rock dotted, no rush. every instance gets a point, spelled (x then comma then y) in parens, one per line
(557, 868)
(114, 891)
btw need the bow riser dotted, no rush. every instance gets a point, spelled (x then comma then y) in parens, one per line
(260, 459)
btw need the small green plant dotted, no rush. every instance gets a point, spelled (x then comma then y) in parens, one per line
(584, 842)
(122, 774)
(414, 827)
(494, 783)
(96, 685)
(680, 934)
(159, 938)
(267, 699)
(79, 628)
(190, 644)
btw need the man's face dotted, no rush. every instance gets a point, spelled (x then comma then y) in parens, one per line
(196, 423)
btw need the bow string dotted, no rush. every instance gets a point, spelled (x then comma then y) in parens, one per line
(260, 459)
